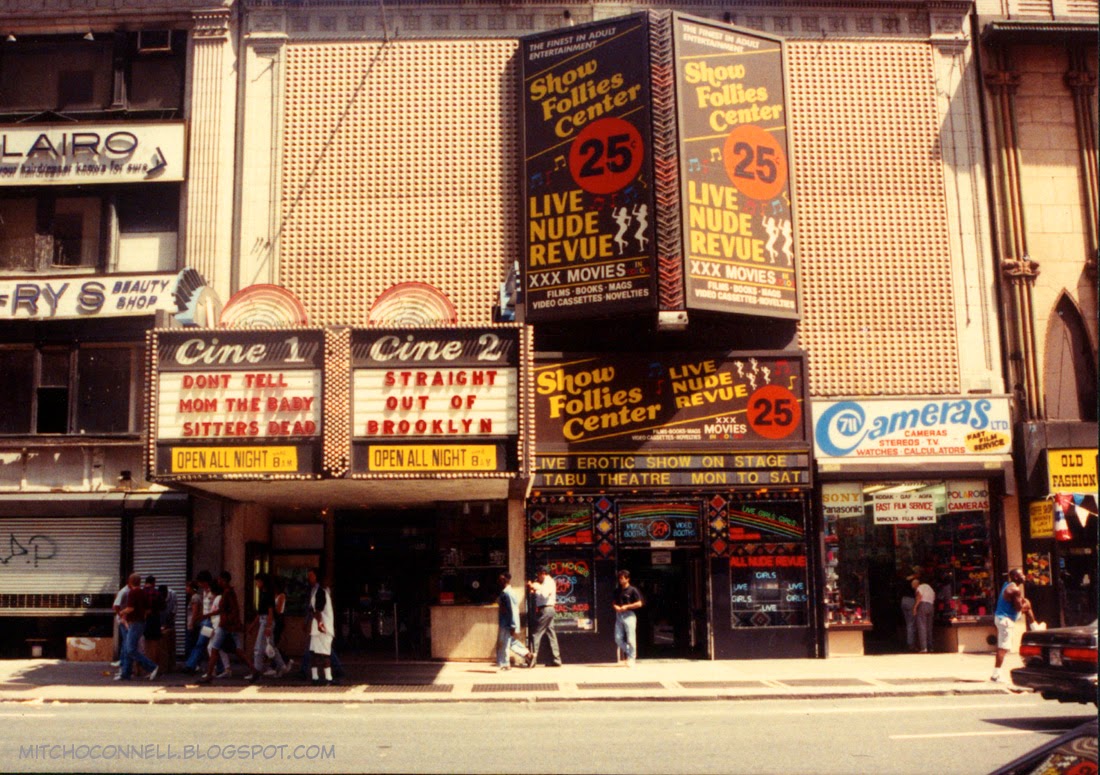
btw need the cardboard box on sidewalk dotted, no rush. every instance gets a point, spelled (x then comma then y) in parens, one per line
(89, 649)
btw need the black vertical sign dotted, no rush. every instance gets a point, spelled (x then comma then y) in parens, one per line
(588, 195)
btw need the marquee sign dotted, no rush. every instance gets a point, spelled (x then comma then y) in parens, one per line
(433, 401)
(671, 420)
(237, 404)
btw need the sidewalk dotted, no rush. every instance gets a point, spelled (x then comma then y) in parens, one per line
(45, 680)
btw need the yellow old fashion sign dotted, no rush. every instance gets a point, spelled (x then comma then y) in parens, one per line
(1072, 470)
(234, 460)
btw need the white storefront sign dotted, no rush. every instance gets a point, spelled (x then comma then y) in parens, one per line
(905, 508)
(842, 499)
(58, 297)
(933, 428)
(970, 495)
(118, 152)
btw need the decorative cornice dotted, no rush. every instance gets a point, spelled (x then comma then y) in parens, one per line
(55, 16)
(857, 21)
(211, 24)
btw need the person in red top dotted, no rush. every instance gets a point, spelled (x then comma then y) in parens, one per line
(133, 614)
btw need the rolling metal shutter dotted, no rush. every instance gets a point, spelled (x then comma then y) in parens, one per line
(160, 550)
(68, 565)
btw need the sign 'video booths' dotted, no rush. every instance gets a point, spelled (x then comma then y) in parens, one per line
(237, 403)
(604, 133)
(671, 420)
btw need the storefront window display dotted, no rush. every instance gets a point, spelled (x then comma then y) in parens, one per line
(561, 537)
(879, 534)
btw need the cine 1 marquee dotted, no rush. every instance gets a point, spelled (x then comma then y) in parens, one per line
(237, 403)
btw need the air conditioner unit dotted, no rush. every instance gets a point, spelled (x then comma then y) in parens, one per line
(151, 41)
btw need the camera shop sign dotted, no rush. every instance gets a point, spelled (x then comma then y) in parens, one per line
(904, 508)
(913, 428)
(237, 403)
(64, 154)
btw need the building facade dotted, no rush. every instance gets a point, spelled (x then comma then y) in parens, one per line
(832, 385)
(104, 124)
(1039, 87)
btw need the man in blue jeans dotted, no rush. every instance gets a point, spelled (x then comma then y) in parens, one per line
(206, 631)
(627, 600)
(133, 614)
(508, 624)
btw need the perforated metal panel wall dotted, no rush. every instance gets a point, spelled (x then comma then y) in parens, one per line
(879, 315)
(400, 163)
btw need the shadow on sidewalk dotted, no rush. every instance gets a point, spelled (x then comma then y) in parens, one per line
(31, 674)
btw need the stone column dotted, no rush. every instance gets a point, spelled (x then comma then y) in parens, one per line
(208, 221)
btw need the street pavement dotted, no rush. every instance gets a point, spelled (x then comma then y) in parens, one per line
(896, 675)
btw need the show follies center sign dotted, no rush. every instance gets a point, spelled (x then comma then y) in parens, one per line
(589, 247)
(237, 404)
(435, 401)
(671, 420)
(738, 229)
(872, 429)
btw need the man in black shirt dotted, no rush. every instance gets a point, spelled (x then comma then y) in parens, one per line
(627, 600)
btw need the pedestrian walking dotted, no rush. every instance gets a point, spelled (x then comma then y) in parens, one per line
(167, 657)
(279, 587)
(307, 658)
(627, 600)
(1010, 604)
(321, 626)
(199, 651)
(908, 604)
(229, 632)
(508, 625)
(545, 590)
(120, 623)
(134, 613)
(152, 646)
(264, 647)
(193, 618)
(923, 608)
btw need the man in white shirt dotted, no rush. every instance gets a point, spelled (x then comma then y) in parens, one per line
(545, 590)
(322, 629)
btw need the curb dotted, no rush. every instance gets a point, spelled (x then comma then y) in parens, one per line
(345, 697)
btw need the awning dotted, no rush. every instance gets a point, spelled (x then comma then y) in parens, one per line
(833, 469)
(81, 504)
(1000, 33)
